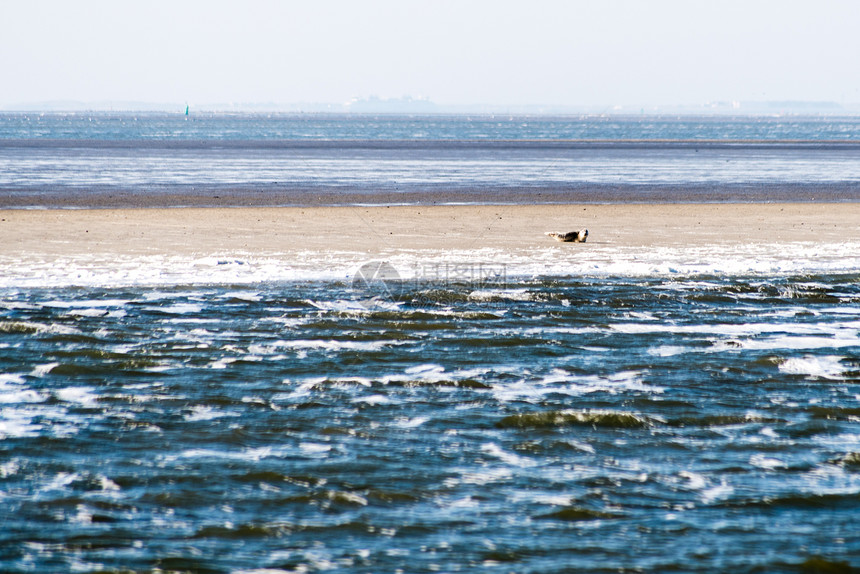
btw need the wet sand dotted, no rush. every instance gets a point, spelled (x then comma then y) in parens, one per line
(378, 229)
(271, 195)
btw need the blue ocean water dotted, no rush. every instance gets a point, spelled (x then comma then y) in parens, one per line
(107, 160)
(625, 410)
(526, 425)
(340, 127)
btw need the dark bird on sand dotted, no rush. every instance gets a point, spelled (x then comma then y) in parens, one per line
(574, 236)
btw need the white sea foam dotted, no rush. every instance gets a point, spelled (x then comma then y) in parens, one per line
(560, 382)
(373, 304)
(505, 294)
(87, 304)
(508, 458)
(829, 367)
(38, 327)
(425, 369)
(695, 481)
(88, 312)
(18, 423)
(783, 342)
(754, 336)
(668, 350)
(841, 310)
(334, 345)
(717, 493)
(80, 395)
(766, 462)
(13, 378)
(21, 396)
(107, 484)
(60, 481)
(410, 423)
(468, 265)
(241, 296)
(206, 413)
(254, 454)
(222, 363)
(373, 400)
(9, 468)
(490, 476)
(314, 447)
(177, 309)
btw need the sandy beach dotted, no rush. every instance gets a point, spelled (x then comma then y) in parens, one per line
(374, 230)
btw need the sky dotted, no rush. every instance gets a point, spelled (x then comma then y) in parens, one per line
(500, 52)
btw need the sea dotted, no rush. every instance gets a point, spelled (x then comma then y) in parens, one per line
(636, 409)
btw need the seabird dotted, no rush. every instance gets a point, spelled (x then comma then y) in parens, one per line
(574, 236)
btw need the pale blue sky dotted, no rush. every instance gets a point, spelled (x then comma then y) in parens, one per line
(597, 53)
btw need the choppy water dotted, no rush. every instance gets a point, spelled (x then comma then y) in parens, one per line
(695, 423)
(639, 409)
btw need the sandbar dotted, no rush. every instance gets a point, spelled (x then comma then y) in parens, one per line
(378, 229)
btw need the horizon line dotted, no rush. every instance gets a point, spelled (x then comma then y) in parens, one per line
(421, 106)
